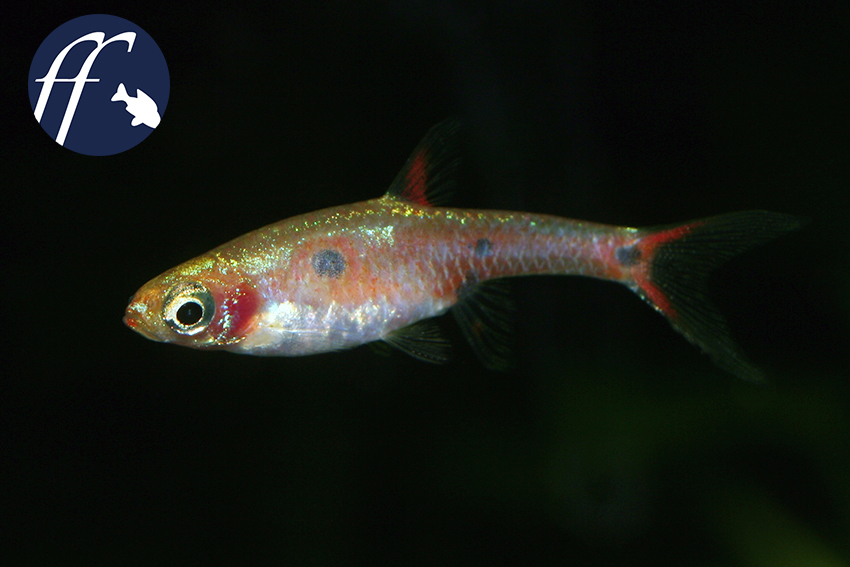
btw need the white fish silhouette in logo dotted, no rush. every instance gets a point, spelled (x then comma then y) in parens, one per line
(142, 107)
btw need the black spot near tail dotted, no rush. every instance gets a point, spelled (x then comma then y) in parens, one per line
(628, 255)
(328, 263)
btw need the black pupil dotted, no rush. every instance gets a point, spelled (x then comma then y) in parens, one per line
(190, 313)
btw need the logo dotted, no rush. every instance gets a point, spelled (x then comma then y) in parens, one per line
(98, 85)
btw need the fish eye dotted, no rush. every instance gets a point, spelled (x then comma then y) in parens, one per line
(190, 313)
(189, 308)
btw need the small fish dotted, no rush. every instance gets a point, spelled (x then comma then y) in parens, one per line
(378, 270)
(142, 107)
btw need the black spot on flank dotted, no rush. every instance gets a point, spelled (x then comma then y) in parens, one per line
(483, 248)
(628, 255)
(328, 263)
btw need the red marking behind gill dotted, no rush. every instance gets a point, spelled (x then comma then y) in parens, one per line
(235, 312)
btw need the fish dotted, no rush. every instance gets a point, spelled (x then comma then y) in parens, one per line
(142, 107)
(382, 269)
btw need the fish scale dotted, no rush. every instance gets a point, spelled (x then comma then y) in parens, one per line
(380, 269)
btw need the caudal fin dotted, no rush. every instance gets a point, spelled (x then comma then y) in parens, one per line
(670, 266)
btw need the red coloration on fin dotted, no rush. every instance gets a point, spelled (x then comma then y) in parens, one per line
(649, 243)
(416, 188)
(653, 294)
(674, 262)
(647, 246)
(429, 176)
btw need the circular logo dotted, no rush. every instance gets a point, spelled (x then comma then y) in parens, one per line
(98, 85)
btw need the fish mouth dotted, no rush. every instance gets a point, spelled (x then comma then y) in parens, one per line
(134, 318)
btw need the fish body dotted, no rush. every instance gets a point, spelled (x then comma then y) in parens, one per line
(343, 276)
(142, 107)
(378, 270)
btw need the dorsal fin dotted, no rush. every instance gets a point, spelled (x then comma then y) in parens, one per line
(429, 176)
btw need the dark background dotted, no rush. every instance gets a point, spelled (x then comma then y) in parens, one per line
(615, 442)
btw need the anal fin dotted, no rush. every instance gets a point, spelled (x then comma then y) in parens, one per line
(484, 312)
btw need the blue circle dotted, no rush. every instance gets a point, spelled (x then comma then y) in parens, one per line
(99, 126)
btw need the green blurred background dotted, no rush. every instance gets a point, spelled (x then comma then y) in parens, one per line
(614, 442)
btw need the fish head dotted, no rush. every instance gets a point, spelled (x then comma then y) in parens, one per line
(198, 308)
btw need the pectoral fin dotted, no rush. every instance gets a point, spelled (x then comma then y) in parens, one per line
(421, 340)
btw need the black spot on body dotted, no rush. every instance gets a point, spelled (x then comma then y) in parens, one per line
(328, 263)
(628, 255)
(483, 248)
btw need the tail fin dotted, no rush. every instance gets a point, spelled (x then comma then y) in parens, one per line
(671, 265)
